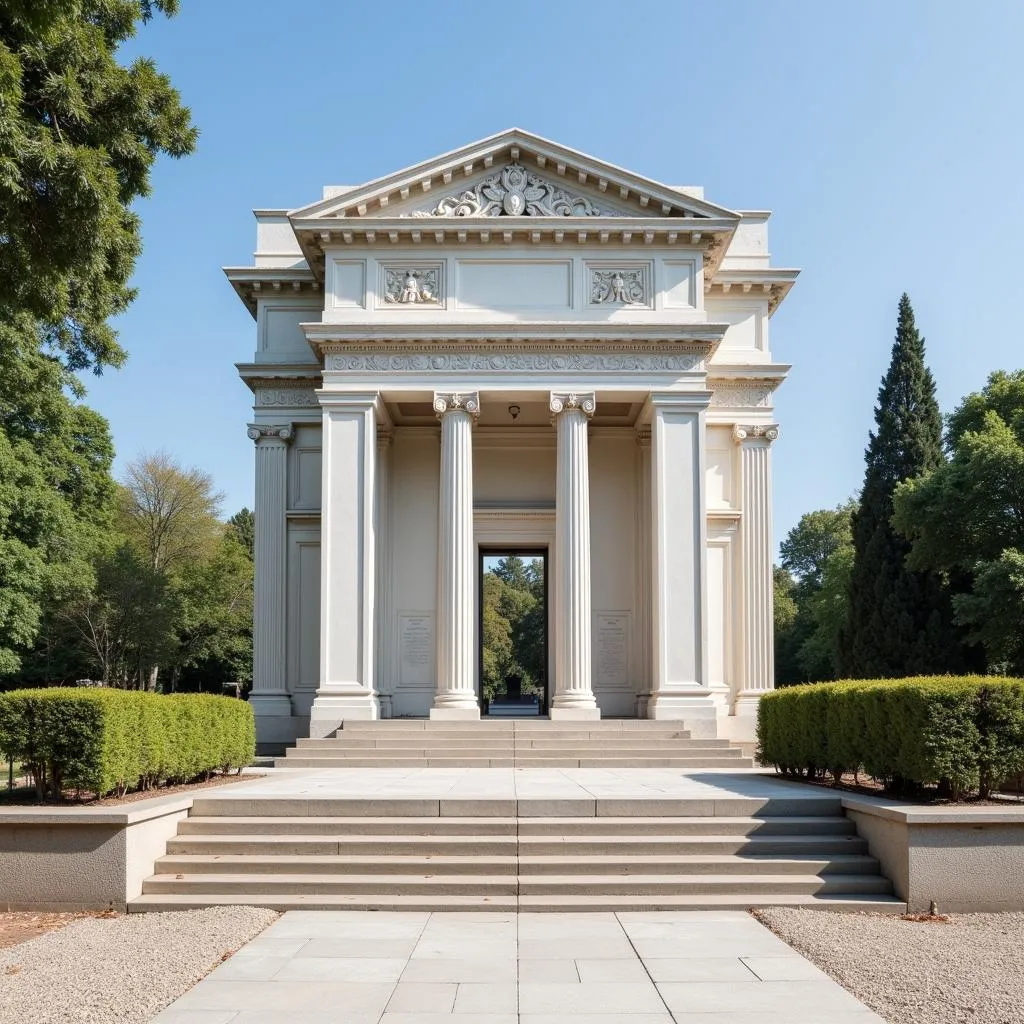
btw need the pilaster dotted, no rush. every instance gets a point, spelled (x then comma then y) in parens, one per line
(574, 696)
(382, 662)
(757, 597)
(642, 562)
(678, 563)
(455, 697)
(347, 561)
(269, 695)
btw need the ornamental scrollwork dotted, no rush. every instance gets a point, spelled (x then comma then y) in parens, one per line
(563, 401)
(758, 431)
(456, 401)
(626, 287)
(742, 397)
(515, 192)
(270, 431)
(443, 362)
(412, 285)
(294, 397)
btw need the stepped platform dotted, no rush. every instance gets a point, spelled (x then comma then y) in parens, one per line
(514, 743)
(606, 838)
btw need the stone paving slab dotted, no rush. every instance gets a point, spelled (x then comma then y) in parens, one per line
(682, 967)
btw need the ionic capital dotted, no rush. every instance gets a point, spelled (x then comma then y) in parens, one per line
(270, 432)
(457, 401)
(564, 401)
(766, 432)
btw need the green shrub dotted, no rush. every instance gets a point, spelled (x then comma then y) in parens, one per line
(961, 734)
(107, 741)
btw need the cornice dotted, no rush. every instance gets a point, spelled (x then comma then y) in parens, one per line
(328, 337)
(250, 283)
(280, 376)
(775, 283)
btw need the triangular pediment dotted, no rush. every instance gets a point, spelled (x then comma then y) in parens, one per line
(516, 174)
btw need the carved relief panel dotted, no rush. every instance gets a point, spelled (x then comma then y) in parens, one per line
(624, 284)
(412, 285)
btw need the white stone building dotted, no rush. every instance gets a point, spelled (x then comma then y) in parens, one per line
(512, 345)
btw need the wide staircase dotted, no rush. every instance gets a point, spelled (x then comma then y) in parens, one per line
(513, 743)
(529, 855)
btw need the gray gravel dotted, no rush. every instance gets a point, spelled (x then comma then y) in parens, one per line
(971, 969)
(120, 970)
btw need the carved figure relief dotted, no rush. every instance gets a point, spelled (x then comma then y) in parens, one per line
(626, 287)
(412, 285)
(515, 192)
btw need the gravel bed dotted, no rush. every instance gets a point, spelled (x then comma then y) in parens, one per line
(121, 970)
(971, 969)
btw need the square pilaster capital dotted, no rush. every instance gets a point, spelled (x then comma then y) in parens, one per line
(764, 433)
(456, 401)
(565, 401)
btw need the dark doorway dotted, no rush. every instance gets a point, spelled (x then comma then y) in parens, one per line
(513, 631)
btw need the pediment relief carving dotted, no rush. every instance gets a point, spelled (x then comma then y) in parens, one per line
(515, 192)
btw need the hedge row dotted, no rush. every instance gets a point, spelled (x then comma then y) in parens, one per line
(962, 734)
(107, 741)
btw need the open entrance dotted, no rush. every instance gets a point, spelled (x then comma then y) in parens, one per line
(513, 664)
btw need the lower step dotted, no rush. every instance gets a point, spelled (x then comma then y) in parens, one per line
(519, 761)
(151, 903)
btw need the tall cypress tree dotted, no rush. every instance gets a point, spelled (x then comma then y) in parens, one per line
(901, 621)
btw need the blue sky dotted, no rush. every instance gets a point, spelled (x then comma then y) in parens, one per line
(885, 136)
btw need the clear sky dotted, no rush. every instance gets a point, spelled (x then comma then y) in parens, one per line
(884, 134)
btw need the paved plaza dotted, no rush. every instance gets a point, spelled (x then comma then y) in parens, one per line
(468, 968)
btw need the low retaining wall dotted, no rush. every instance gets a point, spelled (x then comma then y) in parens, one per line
(79, 858)
(962, 858)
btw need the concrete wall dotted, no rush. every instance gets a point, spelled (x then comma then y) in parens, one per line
(962, 858)
(80, 859)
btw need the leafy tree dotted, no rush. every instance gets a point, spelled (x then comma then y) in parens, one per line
(243, 524)
(967, 517)
(79, 133)
(900, 619)
(514, 625)
(816, 555)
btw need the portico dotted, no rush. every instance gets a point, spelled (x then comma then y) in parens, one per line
(513, 344)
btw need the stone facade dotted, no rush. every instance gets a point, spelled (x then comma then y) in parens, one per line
(399, 324)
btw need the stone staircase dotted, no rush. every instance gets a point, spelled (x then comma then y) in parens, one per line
(530, 855)
(513, 743)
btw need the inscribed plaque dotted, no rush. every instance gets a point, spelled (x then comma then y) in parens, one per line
(611, 636)
(416, 641)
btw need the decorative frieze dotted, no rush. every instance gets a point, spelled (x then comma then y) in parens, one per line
(515, 192)
(620, 286)
(413, 285)
(429, 361)
(742, 396)
(296, 398)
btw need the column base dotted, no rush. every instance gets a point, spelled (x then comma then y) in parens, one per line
(699, 712)
(270, 705)
(574, 714)
(331, 709)
(447, 714)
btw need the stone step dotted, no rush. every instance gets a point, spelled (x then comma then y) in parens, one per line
(585, 828)
(255, 884)
(428, 742)
(875, 904)
(479, 865)
(826, 804)
(520, 761)
(518, 725)
(683, 748)
(542, 846)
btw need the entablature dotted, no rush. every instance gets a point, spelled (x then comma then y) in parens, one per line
(250, 283)
(774, 283)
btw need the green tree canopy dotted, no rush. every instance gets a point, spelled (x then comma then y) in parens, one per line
(967, 516)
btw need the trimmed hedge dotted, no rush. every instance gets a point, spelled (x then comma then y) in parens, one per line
(106, 741)
(960, 733)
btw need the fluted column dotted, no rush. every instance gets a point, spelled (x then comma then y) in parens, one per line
(758, 664)
(455, 696)
(574, 696)
(385, 639)
(269, 695)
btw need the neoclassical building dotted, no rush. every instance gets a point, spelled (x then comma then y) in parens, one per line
(512, 346)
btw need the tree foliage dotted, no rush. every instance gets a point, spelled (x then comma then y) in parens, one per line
(900, 619)
(514, 625)
(967, 516)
